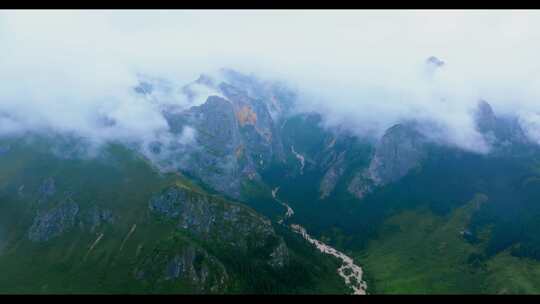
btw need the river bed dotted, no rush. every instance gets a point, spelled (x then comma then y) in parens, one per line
(349, 271)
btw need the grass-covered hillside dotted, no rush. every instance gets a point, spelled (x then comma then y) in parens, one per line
(418, 251)
(111, 223)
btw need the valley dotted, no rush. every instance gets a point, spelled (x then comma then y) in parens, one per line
(269, 152)
(349, 271)
(263, 200)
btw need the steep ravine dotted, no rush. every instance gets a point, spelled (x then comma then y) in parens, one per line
(349, 271)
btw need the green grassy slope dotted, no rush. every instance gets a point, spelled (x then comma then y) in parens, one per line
(419, 252)
(122, 182)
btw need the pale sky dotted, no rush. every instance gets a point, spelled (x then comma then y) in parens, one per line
(364, 69)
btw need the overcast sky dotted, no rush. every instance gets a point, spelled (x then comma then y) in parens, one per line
(365, 69)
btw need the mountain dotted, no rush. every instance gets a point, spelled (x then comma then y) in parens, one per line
(236, 130)
(251, 195)
(358, 184)
(400, 150)
(368, 205)
(115, 224)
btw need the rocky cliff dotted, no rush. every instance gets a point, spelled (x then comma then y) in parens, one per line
(235, 129)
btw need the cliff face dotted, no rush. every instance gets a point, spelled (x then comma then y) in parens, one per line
(504, 134)
(400, 150)
(485, 118)
(246, 126)
(332, 175)
(235, 130)
(214, 220)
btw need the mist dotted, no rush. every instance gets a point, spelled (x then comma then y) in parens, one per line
(74, 71)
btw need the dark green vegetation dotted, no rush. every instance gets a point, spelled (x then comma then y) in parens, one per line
(423, 233)
(418, 251)
(73, 224)
(301, 191)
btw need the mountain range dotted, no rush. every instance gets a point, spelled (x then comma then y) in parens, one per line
(213, 210)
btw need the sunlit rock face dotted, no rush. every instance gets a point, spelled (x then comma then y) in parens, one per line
(236, 129)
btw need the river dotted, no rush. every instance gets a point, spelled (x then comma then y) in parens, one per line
(349, 271)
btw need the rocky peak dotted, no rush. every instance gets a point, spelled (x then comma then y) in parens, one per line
(485, 117)
(501, 132)
(236, 135)
(235, 120)
(276, 97)
(432, 66)
(398, 152)
(434, 61)
(144, 88)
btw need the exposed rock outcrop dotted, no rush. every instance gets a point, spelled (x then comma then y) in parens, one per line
(209, 218)
(399, 150)
(54, 222)
(432, 60)
(485, 118)
(332, 176)
(501, 133)
(360, 185)
(236, 131)
(186, 263)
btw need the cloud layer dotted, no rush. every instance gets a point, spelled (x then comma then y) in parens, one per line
(74, 71)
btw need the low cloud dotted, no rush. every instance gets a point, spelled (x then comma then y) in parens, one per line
(187, 136)
(74, 71)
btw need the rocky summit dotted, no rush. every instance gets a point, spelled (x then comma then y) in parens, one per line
(236, 130)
